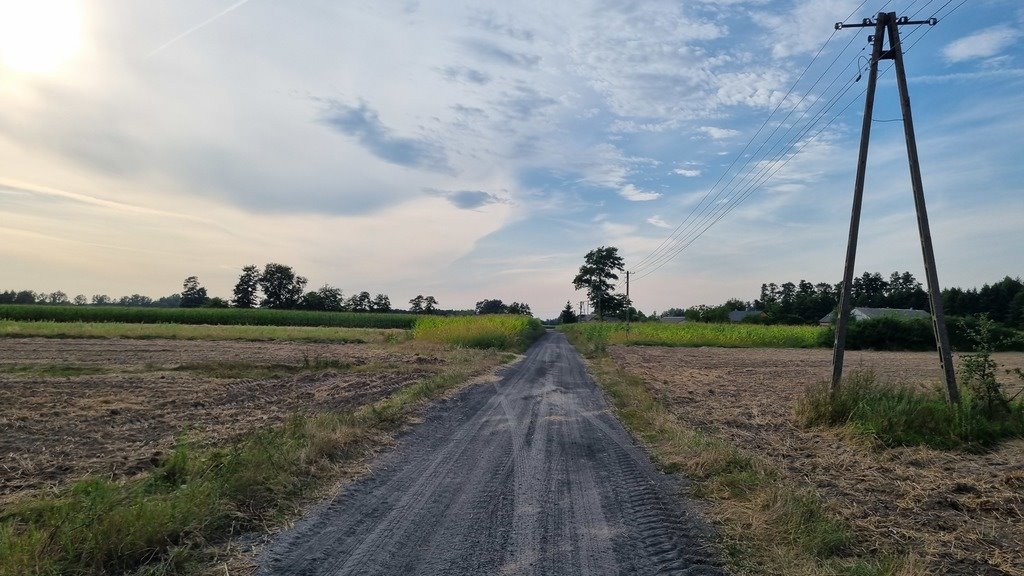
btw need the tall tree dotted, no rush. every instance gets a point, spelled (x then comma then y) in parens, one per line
(192, 294)
(491, 307)
(568, 315)
(520, 308)
(361, 302)
(429, 305)
(416, 304)
(381, 303)
(282, 289)
(596, 275)
(248, 285)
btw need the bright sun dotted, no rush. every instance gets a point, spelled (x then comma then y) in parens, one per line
(39, 36)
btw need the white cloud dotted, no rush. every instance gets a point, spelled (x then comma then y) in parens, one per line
(718, 133)
(984, 44)
(631, 192)
(689, 173)
(658, 221)
(614, 229)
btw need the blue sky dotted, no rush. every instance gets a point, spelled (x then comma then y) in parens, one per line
(476, 150)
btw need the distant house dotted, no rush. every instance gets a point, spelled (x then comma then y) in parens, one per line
(864, 313)
(739, 315)
(672, 319)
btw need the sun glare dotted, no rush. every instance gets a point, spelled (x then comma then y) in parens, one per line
(39, 36)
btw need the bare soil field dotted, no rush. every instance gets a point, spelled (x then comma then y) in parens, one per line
(960, 513)
(70, 408)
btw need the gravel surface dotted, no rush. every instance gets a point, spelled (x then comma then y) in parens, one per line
(529, 475)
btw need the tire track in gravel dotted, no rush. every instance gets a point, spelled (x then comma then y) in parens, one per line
(532, 475)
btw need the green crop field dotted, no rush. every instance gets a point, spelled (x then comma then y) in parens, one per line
(505, 332)
(16, 329)
(601, 334)
(214, 316)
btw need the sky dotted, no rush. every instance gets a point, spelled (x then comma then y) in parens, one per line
(477, 149)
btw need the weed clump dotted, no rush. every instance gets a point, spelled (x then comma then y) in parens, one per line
(898, 415)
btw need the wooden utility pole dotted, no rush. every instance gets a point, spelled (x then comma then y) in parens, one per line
(887, 24)
(628, 305)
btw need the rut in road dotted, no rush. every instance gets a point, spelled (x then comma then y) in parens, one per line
(530, 475)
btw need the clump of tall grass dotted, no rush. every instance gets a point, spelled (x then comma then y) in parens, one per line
(500, 331)
(897, 415)
(599, 334)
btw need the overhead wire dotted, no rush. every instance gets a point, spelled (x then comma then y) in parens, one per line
(677, 241)
(668, 239)
(701, 208)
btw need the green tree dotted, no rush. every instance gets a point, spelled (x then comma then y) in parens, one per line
(81, 300)
(491, 307)
(596, 275)
(416, 304)
(381, 303)
(25, 297)
(192, 294)
(520, 308)
(568, 315)
(282, 289)
(361, 302)
(429, 305)
(248, 285)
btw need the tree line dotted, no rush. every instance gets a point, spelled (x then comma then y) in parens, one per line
(800, 302)
(275, 286)
(804, 302)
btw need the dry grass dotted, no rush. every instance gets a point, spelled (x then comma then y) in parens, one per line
(959, 513)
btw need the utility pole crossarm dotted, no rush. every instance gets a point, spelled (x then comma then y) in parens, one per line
(901, 21)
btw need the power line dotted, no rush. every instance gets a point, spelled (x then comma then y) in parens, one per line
(704, 215)
(771, 170)
(681, 237)
(668, 239)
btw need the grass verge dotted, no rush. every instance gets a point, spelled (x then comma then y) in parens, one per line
(499, 331)
(19, 329)
(895, 415)
(165, 522)
(768, 524)
(596, 336)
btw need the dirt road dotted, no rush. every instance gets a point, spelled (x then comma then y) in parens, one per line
(530, 475)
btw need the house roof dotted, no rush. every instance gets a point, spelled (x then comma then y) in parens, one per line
(738, 315)
(866, 312)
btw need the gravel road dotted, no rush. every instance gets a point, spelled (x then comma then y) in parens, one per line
(529, 475)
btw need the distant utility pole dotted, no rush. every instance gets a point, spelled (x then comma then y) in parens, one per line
(628, 304)
(887, 24)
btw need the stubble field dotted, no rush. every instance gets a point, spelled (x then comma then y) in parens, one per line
(959, 513)
(115, 407)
